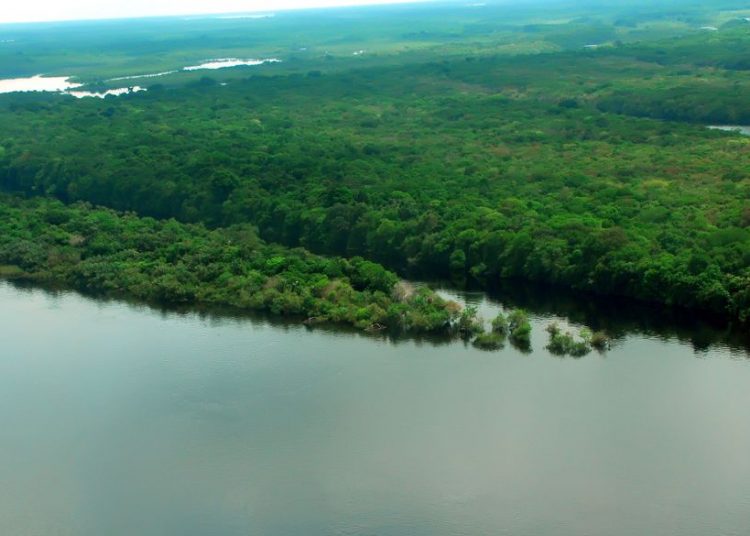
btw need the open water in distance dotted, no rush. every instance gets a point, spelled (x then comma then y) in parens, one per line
(119, 419)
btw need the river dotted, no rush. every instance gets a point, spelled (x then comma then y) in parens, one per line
(121, 419)
(738, 129)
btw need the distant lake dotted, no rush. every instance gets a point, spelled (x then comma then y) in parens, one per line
(228, 62)
(106, 93)
(744, 130)
(63, 84)
(221, 63)
(37, 83)
(59, 84)
(120, 419)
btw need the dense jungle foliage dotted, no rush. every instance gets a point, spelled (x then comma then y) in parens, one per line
(163, 261)
(589, 168)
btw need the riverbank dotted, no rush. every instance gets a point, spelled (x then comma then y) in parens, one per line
(175, 266)
(121, 255)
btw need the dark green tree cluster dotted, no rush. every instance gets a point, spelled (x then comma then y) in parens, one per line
(566, 343)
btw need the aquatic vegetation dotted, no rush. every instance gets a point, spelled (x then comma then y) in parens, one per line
(489, 341)
(500, 324)
(566, 343)
(469, 324)
(519, 328)
(599, 340)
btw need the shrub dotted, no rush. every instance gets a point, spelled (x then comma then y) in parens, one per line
(566, 344)
(489, 341)
(600, 341)
(520, 328)
(468, 323)
(500, 324)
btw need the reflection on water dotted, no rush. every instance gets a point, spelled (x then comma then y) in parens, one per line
(122, 419)
(621, 318)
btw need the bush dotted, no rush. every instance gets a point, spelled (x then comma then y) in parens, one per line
(520, 329)
(566, 344)
(500, 324)
(468, 323)
(489, 341)
(600, 341)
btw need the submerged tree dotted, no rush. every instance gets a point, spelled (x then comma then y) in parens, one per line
(567, 343)
(469, 324)
(520, 329)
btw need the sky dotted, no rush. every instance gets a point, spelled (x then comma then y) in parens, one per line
(53, 10)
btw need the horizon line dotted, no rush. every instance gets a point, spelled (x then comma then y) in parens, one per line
(251, 13)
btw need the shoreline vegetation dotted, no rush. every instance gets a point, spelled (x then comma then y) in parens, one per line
(100, 251)
(118, 255)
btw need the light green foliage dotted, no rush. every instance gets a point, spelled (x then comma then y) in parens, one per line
(489, 341)
(500, 324)
(468, 322)
(520, 328)
(567, 344)
(599, 341)
(101, 251)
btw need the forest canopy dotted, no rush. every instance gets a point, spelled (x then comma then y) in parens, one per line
(589, 167)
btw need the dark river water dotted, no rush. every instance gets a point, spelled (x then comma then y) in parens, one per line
(118, 419)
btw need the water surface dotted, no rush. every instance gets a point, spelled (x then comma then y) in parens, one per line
(37, 83)
(102, 94)
(59, 84)
(744, 130)
(223, 63)
(119, 419)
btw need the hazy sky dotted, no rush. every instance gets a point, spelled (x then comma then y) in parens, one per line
(46, 10)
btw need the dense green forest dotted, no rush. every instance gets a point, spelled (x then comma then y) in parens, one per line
(586, 167)
(122, 255)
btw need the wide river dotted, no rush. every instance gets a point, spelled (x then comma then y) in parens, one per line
(118, 419)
